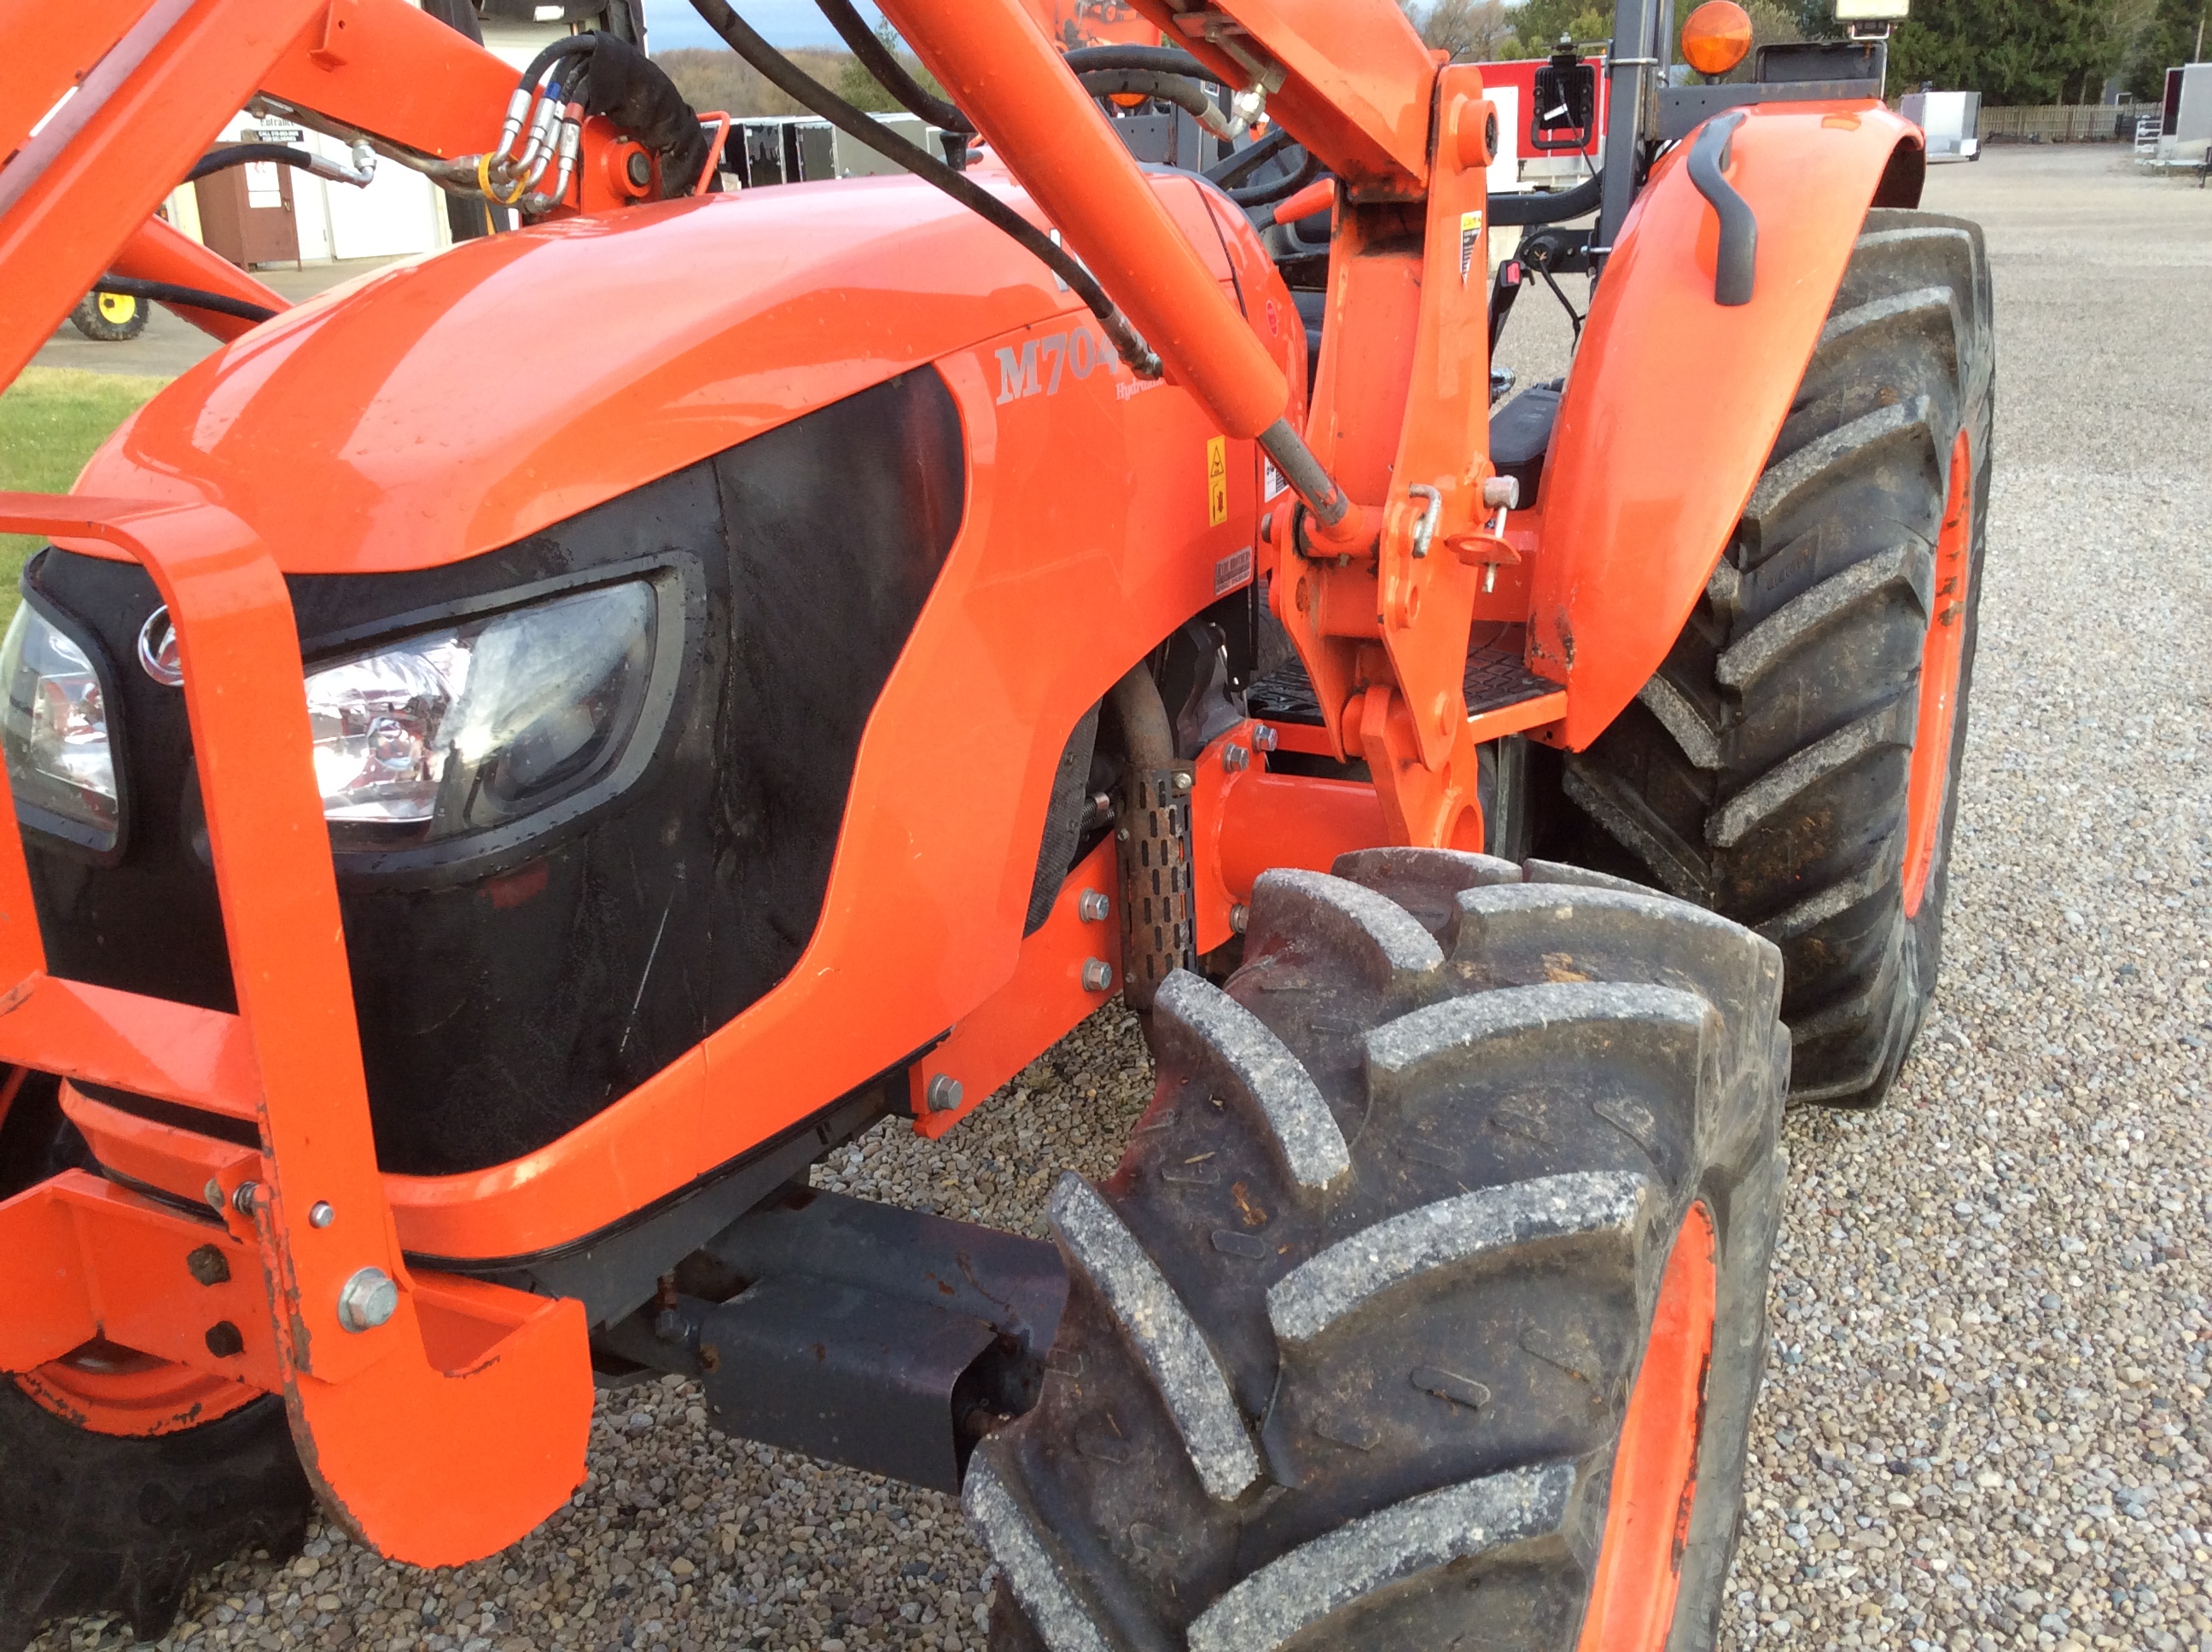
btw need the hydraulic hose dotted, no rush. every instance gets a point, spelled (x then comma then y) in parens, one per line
(1555, 208)
(803, 89)
(1231, 167)
(1152, 59)
(163, 292)
(239, 155)
(1180, 90)
(1279, 189)
(621, 84)
(890, 74)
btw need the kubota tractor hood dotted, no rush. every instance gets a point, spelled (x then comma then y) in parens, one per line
(442, 408)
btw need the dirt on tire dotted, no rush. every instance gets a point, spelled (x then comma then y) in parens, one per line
(1764, 771)
(1353, 1328)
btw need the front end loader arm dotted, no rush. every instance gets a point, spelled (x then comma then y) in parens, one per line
(1392, 462)
(108, 111)
(111, 111)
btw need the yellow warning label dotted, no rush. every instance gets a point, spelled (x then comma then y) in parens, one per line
(1470, 234)
(1216, 480)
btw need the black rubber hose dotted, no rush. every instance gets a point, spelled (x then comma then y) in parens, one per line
(1555, 208)
(162, 292)
(1279, 189)
(890, 74)
(634, 92)
(237, 154)
(1155, 59)
(565, 46)
(804, 90)
(1180, 90)
(1232, 167)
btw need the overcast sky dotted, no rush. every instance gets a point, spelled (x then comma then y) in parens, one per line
(672, 23)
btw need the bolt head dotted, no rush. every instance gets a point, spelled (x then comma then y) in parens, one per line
(942, 1093)
(1183, 780)
(224, 1340)
(322, 1215)
(209, 1266)
(1239, 915)
(242, 1201)
(1235, 757)
(1097, 975)
(367, 1300)
(1265, 738)
(212, 1194)
(1093, 907)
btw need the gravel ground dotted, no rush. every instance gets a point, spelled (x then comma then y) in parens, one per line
(1986, 1421)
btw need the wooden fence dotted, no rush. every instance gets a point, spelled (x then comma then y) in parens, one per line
(2064, 123)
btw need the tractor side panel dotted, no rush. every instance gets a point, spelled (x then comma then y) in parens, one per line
(1676, 400)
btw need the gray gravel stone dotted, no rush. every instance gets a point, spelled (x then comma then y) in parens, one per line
(1986, 1412)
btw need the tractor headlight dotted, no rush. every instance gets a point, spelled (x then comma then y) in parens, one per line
(54, 730)
(467, 729)
(453, 732)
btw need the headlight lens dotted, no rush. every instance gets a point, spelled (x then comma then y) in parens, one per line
(54, 730)
(457, 731)
(467, 729)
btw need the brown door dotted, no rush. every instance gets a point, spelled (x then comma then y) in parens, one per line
(246, 214)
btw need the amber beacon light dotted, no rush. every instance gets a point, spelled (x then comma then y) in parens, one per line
(1716, 37)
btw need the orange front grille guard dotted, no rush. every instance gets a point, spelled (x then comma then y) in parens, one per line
(1377, 583)
(439, 1418)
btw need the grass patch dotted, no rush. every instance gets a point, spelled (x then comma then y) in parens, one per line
(50, 421)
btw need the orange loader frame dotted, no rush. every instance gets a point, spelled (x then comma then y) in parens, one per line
(1395, 547)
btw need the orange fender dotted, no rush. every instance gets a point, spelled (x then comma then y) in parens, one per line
(1676, 400)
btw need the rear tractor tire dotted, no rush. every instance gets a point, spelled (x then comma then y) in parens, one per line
(105, 1522)
(1427, 1307)
(1794, 762)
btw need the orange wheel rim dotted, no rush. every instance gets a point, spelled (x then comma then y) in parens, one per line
(1941, 657)
(1655, 1468)
(107, 1390)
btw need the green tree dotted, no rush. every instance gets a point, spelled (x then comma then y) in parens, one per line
(2170, 32)
(2012, 52)
(1472, 31)
(859, 87)
(1539, 23)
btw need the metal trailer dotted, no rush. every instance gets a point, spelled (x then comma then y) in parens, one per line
(1949, 119)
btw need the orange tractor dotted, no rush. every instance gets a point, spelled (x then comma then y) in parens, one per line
(515, 759)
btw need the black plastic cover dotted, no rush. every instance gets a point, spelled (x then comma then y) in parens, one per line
(505, 998)
(1521, 435)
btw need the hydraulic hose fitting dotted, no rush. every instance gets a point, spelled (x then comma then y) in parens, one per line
(1140, 357)
(540, 144)
(1247, 109)
(518, 111)
(571, 141)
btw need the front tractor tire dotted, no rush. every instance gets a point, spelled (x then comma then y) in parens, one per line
(1431, 1292)
(1794, 762)
(94, 1521)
